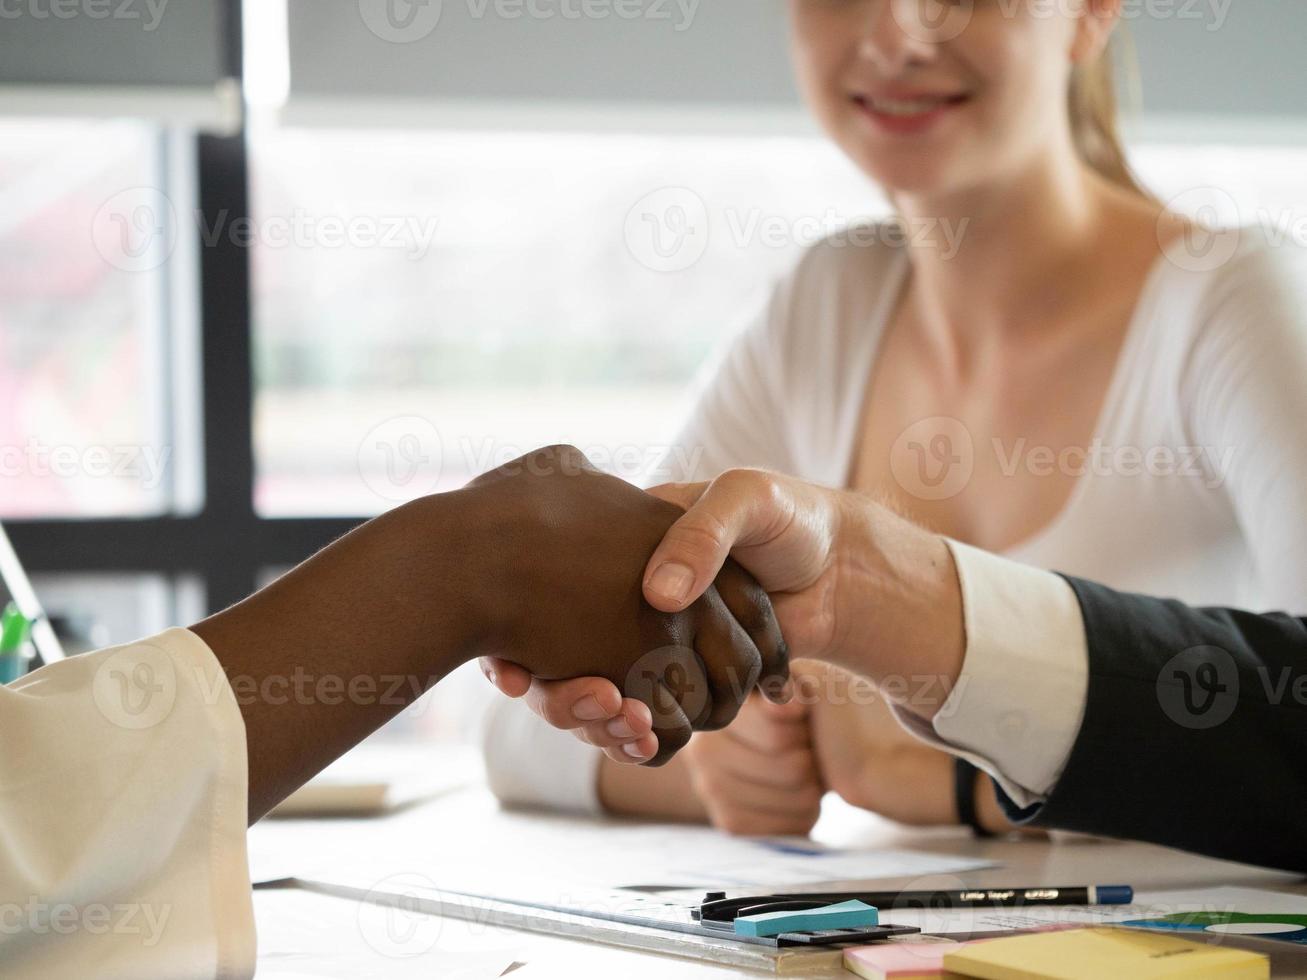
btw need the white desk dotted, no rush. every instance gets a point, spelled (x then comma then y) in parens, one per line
(308, 935)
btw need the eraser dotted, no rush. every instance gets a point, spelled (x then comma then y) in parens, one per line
(845, 915)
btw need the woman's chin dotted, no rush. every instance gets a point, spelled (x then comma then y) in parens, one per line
(917, 177)
(921, 170)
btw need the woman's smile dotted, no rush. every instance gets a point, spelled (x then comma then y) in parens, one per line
(903, 113)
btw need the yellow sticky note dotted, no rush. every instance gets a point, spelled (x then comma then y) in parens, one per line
(1090, 954)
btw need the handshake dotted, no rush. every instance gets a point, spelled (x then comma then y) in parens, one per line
(693, 635)
(567, 571)
(637, 617)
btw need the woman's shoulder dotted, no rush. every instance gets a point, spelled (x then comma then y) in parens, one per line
(844, 278)
(1257, 266)
(848, 255)
(1238, 304)
(1233, 286)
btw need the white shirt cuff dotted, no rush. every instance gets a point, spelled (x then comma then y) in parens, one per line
(1019, 702)
(531, 763)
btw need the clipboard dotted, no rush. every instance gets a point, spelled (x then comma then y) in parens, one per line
(617, 917)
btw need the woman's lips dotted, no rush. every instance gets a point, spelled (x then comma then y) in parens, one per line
(906, 115)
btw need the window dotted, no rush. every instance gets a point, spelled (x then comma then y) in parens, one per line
(430, 304)
(458, 299)
(1232, 185)
(83, 326)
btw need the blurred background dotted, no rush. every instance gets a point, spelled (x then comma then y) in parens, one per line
(265, 272)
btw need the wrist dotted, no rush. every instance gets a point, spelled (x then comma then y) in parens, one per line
(900, 604)
(988, 810)
(448, 558)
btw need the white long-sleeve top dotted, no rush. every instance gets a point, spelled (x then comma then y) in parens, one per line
(1193, 488)
(123, 803)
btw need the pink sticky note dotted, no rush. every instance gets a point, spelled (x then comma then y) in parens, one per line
(899, 961)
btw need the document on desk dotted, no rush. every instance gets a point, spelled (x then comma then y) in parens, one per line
(620, 883)
(671, 857)
(499, 852)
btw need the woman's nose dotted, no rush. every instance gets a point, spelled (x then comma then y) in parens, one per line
(898, 33)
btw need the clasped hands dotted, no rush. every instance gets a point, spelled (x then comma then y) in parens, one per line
(850, 584)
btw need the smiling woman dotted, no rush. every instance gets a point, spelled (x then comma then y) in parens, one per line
(969, 110)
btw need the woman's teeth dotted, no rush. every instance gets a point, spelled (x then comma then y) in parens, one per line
(905, 107)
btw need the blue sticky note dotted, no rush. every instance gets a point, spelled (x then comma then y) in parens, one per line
(845, 915)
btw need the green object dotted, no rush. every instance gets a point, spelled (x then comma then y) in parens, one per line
(15, 628)
(845, 915)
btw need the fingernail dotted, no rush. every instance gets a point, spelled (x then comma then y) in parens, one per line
(588, 709)
(618, 728)
(491, 676)
(633, 750)
(672, 581)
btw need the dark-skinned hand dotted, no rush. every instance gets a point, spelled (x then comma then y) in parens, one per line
(572, 552)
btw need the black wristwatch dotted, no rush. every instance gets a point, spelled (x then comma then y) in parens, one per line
(964, 790)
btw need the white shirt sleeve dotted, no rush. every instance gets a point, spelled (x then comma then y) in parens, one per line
(1019, 702)
(530, 763)
(1244, 399)
(123, 805)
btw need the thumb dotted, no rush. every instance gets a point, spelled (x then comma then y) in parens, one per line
(683, 495)
(694, 549)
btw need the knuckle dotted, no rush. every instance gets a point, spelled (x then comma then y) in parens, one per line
(672, 740)
(721, 717)
(703, 755)
(699, 537)
(743, 480)
(795, 767)
(777, 738)
(809, 799)
(750, 604)
(554, 713)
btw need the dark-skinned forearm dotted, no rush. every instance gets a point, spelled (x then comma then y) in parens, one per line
(335, 648)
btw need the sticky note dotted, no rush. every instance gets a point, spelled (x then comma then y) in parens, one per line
(900, 961)
(845, 915)
(1089, 954)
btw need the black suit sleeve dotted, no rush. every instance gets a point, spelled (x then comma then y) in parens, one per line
(1195, 731)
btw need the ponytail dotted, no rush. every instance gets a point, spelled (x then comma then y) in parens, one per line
(1095, 124)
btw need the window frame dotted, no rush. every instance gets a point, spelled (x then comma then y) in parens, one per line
(225, 544)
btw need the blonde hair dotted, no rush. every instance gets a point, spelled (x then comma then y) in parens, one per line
(1095, 118)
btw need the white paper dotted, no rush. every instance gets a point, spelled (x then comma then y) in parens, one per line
(733, 862)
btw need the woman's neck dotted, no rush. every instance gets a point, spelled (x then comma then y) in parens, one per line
(1022, 254)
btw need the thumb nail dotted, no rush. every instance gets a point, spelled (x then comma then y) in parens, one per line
(672, 581)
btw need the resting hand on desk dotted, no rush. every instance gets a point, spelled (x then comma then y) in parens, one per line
(760, 775)
(767, 772)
